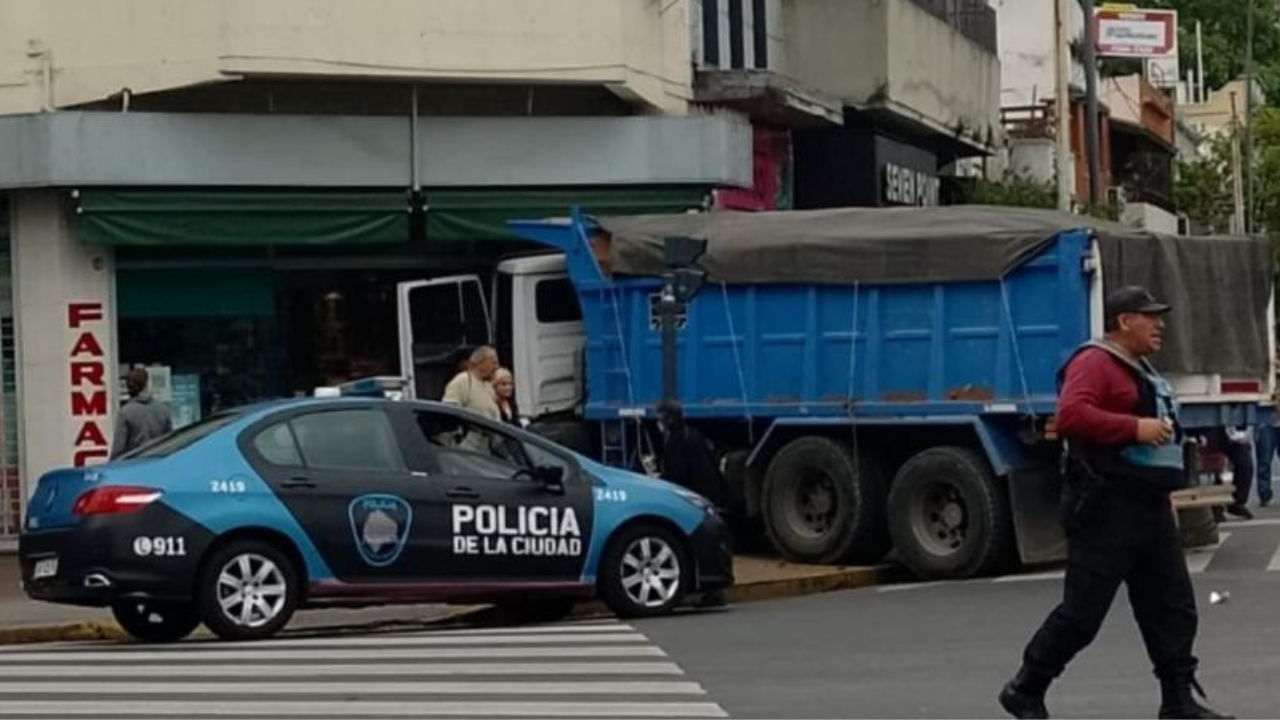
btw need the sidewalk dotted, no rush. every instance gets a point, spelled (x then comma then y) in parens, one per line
(758, 578)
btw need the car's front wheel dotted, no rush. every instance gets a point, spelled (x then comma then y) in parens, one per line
(249, 590)
(155, 622)
(645, 572)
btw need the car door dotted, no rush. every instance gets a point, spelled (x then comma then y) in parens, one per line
(440, 321)
(500, 521)
(341, 472)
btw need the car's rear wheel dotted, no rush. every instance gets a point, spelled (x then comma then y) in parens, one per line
(645, 572)
(249, 591)
(151, 621)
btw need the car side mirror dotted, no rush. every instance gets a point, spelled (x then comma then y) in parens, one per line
(551, 477)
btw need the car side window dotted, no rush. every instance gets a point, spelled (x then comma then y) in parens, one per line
(462, 447)
(276, 446)
(348, 440)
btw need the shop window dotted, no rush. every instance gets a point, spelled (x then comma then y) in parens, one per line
(348, 440)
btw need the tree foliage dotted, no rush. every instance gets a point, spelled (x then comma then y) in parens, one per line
(1224, 31)
(1204, 186)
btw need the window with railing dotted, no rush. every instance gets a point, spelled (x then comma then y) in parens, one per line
(974, 19)
(737, 34)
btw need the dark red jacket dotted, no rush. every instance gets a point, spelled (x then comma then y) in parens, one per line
(1098, 402)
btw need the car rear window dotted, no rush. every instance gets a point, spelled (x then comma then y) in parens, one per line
(183, 437)
(276, 446)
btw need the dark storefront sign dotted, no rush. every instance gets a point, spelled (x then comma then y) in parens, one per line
(860, 167)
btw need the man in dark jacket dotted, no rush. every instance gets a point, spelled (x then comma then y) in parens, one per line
(687, 459)
(142, 419)
(1123, 457)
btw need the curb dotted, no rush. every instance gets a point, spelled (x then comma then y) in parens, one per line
(837, 579)
(57, 633)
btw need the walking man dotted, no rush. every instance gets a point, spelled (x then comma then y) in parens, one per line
(142, 419)
(1122, 459)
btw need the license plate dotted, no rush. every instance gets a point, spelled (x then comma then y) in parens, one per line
(45, 568)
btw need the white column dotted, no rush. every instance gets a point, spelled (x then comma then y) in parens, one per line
(63, 304)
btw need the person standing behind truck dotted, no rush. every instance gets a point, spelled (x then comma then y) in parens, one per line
(472, 389)
(504, 390)
(1122, 459)
(142, 419)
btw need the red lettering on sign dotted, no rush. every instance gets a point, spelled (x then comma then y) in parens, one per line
(90, 434)
(82, 457)
(82, 404)
(87, 345)
(89, 397)
(90, 372)
(83, 312)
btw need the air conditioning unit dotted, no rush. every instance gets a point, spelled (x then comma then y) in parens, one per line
(1116, 196)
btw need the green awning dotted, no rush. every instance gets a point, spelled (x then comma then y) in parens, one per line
(460, 215)
(195, 292)
(215, 217)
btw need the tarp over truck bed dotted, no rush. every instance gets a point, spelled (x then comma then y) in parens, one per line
(1219, 286)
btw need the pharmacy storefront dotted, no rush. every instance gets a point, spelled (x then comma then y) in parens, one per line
(238, 273)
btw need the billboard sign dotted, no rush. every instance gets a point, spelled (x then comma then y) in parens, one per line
(1134, 33)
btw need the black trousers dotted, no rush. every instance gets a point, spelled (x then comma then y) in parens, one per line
(1118, 540)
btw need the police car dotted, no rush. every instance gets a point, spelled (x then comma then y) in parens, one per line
(241, 519)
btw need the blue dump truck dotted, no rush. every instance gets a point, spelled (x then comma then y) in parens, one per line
(872, 380)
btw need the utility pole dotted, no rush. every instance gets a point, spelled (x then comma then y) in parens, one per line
(1093, 148)
(1062, 103)
(1237, 181)
(1250, 223)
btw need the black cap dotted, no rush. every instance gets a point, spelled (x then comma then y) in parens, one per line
(1134, 299)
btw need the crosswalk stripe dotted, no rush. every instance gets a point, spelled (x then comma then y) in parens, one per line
(1199, 558)
(397, 653)
(386, 641)
(1256, 522)
(1030, 577)
(234, 708)
(240, 670)
(357, 689)
(566, 670)
(1274, 565)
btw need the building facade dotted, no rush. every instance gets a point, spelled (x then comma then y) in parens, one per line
(227, 192)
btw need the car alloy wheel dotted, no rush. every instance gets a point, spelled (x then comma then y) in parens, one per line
(650, 572)
(251, 590)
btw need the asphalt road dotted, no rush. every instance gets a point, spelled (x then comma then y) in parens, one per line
(944, 650)
(916, 650)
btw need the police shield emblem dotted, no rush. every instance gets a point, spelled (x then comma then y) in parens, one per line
(380, 525)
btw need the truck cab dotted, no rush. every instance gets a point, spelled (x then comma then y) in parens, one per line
(529, 312)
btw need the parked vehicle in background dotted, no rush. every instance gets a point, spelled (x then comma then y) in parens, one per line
(873, 379)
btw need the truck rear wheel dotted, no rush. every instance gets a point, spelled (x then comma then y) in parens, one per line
(822, 504)
(949, 515)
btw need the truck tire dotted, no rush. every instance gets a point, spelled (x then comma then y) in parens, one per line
(823, 505)
(949, 515)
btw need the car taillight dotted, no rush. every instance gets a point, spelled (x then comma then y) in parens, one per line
(114, 499)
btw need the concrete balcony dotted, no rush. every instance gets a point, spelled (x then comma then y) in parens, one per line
(928, 63)
(66, 53)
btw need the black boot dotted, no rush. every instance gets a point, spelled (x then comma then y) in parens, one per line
(1023, 696)
(1178, 702)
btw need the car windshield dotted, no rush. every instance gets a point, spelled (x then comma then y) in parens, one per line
(182, 437)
